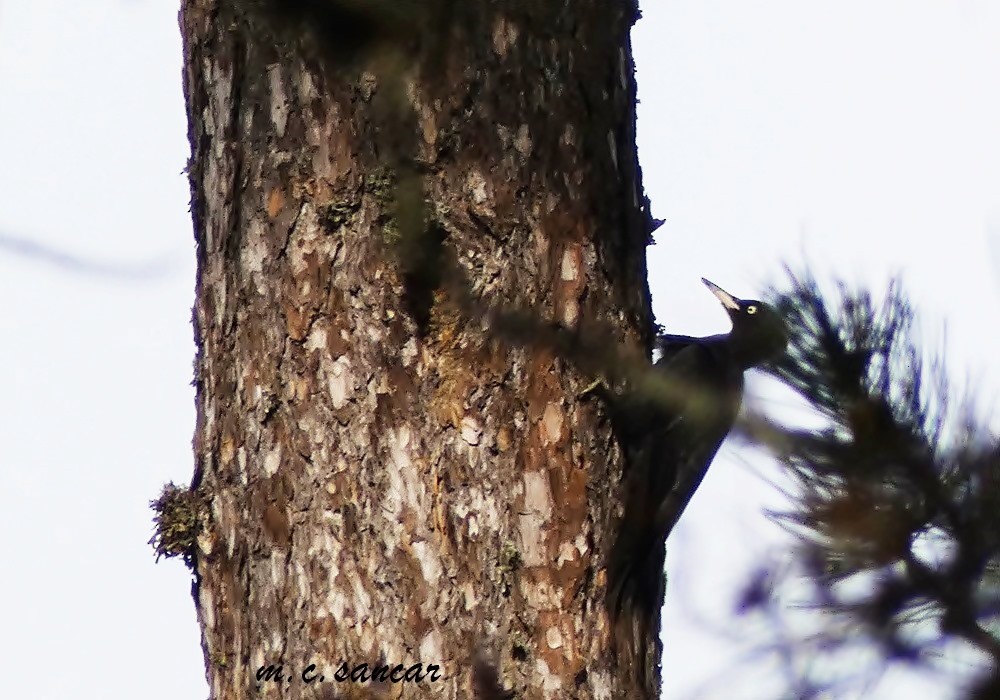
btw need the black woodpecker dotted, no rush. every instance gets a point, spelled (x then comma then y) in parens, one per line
(670, 428)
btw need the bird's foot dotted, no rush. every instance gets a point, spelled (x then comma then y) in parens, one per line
(597, 386)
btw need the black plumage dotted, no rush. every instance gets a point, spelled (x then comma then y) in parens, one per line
(670, 428)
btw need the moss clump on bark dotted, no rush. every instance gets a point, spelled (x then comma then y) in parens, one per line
(177, 519)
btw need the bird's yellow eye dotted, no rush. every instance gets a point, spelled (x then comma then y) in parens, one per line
(752, 309)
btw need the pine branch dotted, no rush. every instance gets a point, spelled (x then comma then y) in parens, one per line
(900, 487)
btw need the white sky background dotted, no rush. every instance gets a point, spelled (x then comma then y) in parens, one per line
(866, 133)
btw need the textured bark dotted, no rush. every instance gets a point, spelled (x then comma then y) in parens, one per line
(385, 487)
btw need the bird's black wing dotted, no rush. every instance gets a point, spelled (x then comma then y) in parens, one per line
(674, 435)
(694, 427)
(669, 345)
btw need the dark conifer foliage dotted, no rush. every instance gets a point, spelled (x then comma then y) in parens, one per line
(897, 495)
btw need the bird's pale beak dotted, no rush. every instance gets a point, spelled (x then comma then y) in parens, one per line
(724, 297)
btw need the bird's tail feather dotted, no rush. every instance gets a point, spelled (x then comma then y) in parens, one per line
(635, 595)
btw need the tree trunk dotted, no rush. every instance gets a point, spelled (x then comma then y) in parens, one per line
(388, 479)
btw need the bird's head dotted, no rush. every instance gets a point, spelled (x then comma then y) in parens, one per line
(759, 333)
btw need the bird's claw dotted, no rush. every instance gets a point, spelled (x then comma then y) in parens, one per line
(595, 387)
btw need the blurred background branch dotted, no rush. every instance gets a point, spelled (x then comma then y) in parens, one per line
(896, 501)
(33, 251)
